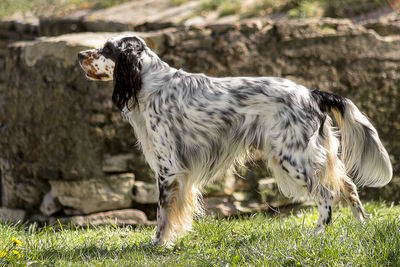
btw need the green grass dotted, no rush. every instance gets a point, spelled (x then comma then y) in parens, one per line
(52, 7)
(293, 8)
(255, 240)
(307, 9)
(224, 7)
(177, 2)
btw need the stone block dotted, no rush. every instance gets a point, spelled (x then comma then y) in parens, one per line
(145, 193)
(269, 191)
(117, 163)
(232, 204)
(12, 215)
(115, 217)
(88, 196)
(50, 204)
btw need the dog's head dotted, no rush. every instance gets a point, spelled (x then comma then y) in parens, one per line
(119, 60)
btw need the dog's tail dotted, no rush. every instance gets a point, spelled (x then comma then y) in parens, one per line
(364, 157)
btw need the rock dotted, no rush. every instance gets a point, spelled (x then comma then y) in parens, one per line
(220, 28)
(98, 118)
(9, 196)
(46, 104)
(65, 48)
(145, 193)
(50, 204)
(220, 206)
(250, 176)
(141, 12)
(115, 217)
(30, 191)
(88, 196)
(12, 215)
(232, 204)
(266, 184)
(116, 163)
(223, 185)
(41, 219)
(386, 193)
(269, 190)
(384, 28)
(241, 196)
(249, 206)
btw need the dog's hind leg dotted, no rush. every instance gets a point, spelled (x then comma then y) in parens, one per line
(350, 194)
(324, 199)
(295, 184)
(288, 184)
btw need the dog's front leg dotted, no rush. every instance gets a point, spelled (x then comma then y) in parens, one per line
(166, 202)
(179, 201)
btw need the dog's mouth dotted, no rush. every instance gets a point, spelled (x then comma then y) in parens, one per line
(98, 77)
(86, 63)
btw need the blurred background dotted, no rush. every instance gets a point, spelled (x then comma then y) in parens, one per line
(65, 152)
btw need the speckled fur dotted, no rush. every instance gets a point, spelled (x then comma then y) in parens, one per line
(192, 128)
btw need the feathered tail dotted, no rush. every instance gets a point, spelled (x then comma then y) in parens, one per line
(366, 160)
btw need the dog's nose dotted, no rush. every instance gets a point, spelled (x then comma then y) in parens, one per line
(80, 56)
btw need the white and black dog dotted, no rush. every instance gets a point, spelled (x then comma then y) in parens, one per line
(192, 128)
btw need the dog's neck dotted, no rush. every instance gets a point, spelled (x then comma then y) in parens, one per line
(155, 73)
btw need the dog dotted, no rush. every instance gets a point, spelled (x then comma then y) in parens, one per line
(192, 128)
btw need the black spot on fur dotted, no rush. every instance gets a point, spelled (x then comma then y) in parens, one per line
(164, 170)
(284, 168)
(326, 100)
(161, 191)
(321, 127)
(328, 220)
(153, 127)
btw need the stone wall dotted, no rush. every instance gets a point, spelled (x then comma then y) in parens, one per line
(67, 153)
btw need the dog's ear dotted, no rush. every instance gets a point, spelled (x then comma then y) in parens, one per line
(127, 78)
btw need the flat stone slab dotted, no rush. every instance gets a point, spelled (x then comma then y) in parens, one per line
(139, 12)
(115, 217)
(65, 48)
(117, 163)
(12, 215)
(88, 196)
(145, 193)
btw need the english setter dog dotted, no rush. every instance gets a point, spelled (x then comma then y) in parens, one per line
(192, 128)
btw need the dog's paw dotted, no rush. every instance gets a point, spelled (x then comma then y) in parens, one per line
(367, 217)
(156, 243)
(151, 243)
(320, 229)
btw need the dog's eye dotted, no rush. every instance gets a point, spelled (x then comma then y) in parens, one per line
(107, 50)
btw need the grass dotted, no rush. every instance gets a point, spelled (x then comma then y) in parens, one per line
(52, 7)
(307, 9)
(250, 240)
(177, 2)
(265, 7)
(224, 7)
(293, 8)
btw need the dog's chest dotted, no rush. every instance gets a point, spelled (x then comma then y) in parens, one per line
(137, 121)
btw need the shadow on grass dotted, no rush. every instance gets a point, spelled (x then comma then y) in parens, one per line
(93, 252)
